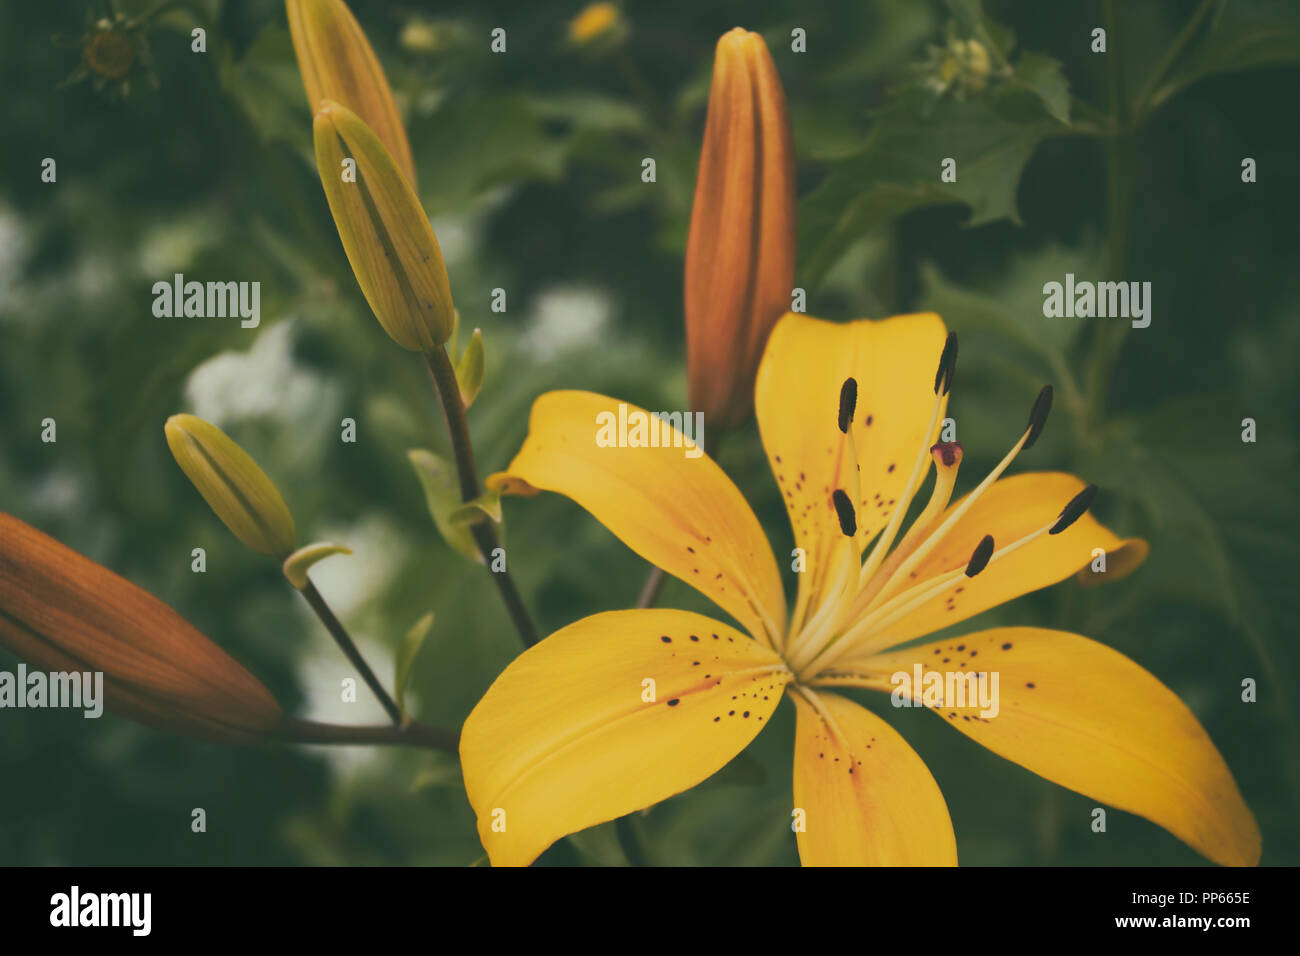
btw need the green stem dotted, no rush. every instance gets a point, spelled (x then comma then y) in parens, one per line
(1121, 158)
(413, 734)
(1148, 100)
(485, 536)
(344, 641)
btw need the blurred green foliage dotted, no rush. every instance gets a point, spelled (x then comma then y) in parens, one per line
(529, 165)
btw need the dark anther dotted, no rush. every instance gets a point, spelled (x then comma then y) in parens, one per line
(1074, 510)
(1038, 416)
(844, 510)
(947, 365)
(848, 402)
(979, 558)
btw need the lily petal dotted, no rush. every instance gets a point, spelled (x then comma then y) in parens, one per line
(1011, 509)
(1088, 718)
(680, 513)
(606, 716)
(797, 400)
(868, 797)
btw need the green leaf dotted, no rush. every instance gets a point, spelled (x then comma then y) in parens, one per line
(266, 84)
(991, 138)
(1042, 75)
(469, 370)
(1221, 512)
(488, 503)
(1242, 35)
(599, 846)
(475, 143)
(406, 654)
(1011, 305)
(442, 495)
(301, 561)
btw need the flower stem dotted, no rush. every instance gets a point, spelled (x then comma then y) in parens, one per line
(413, 734)
(344, 641)
(485, 536)
(1121, 158)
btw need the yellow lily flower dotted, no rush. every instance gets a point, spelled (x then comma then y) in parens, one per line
(623, 709)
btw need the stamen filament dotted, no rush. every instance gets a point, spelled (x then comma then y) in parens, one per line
(904, 500)
(834, 608)
(904, 604)
(933, 539)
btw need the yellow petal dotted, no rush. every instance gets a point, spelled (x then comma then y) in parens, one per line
(797, 402)
(868, 799)
(1086, 717)
(1120, 563)
(741, 248)
(337, 63)
(386, 235)
(606, 716)
(232, 484)
(679, 512)
(1010, 509)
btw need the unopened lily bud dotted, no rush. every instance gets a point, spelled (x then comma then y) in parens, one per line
(597, 24)
(232, 484)
(62, 612)
(386, 235)
(741, 248)
(337, 63)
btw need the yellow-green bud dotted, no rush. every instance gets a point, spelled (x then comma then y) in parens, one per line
(386, 235)
(232, 484)
(337, 63)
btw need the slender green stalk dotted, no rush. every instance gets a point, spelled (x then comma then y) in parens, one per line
(413, 734)
(1121, 159)
(485, 536)
(344, 641)
(1151, 95)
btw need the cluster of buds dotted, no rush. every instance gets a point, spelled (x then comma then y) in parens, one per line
(366, 168)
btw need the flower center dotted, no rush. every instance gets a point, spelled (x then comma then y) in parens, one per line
(865, 594)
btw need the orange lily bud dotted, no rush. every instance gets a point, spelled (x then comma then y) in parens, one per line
(63, 612)
(337, 63)
(741, 247)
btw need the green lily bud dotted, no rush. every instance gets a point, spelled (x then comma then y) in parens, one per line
(337, 63)
(386, 235)
(233, 486)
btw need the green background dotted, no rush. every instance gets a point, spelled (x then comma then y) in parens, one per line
(529, 165)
